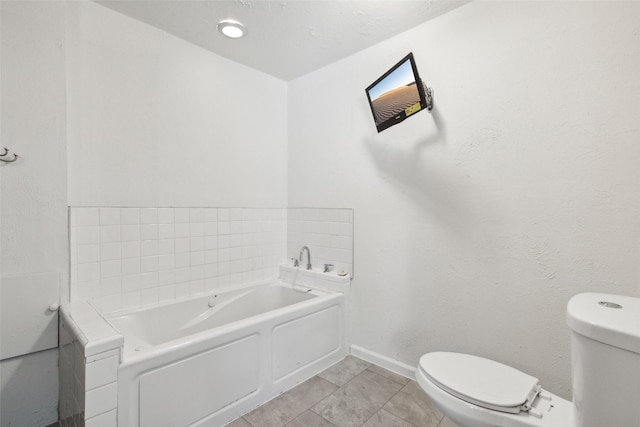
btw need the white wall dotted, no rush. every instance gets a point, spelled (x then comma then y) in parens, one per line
(156, 121)
(474, 225)
(34, 231)
(141, 118)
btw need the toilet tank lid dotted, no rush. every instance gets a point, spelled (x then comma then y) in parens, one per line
(480, 381)
(610, 319)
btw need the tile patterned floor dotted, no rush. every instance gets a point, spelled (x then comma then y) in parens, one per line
(352, 393)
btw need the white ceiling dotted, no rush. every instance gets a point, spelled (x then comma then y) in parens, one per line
(286, 38)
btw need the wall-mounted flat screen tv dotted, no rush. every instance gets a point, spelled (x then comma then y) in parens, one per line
(398, 94)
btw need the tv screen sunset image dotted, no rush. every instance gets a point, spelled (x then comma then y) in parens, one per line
(394, 94)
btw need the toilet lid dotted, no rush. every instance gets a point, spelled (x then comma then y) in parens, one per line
(480, 381)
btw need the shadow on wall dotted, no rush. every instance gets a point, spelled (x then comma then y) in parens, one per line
(432, 186)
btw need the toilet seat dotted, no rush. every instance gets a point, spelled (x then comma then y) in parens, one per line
(482, 382)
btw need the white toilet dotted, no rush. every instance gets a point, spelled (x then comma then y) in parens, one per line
(605, 348)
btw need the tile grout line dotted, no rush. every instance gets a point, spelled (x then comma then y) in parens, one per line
(390, 399)
(402, 418)
(399, 394)
(382, 406)
(336, 390)
(311, 410)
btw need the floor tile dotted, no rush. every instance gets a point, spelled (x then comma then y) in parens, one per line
(343, 371)
(383, 418)
(294, 402)
(240, 422)
(309, 419)
(446, 422)
(263, 416)
(353, 404)
(413, 405)
(391, 375)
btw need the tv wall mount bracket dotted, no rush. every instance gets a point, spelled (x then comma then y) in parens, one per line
(428, 93)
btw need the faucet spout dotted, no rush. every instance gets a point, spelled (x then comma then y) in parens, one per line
(308, 256)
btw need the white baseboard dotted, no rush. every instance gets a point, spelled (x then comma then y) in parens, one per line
(384, 362)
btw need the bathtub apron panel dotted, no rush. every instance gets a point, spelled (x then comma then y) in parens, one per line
(215, 375)
(288, 357)
(184, 392)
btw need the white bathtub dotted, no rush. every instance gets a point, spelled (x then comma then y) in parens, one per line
(187, 363)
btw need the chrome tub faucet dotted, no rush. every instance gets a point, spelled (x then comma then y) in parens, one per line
(308, 256)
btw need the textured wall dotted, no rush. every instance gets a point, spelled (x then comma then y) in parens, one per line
(34, 214)
(155, 121)
(475, 224)
(33, 226)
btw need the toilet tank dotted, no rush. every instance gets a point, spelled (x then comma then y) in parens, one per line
(605, 352)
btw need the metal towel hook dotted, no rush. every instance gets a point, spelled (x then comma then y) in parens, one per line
(5, 154)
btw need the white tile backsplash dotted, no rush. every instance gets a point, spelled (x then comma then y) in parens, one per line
(88, 253)
(149, 280)
(128, 257)
(88, 272)
(100, 400)
(148, 264)
(182, 244)
(130, 266)
(327, 232)
(131, 300)
(101, 372)
(128, 216)
(109, 216)
(87, 235)
(109, 233)
(130, 283)
(166, 277)
(149, 296)
(88, 216)
(149, 216)
(166, 247)
(166, 262)
(196, 244)
(149, 248)
(181, 215)
(223, 214)
(148, 231)
(110, 251)
(111, 268)
(197, 229)
(165, 216)
(130, 233)
(182, 259)
(111, 286)
(166, 293)
(196, 215)
(109, 303)
(166, 231)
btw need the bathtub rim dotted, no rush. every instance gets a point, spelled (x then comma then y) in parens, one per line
(130, 357)
(159, 304)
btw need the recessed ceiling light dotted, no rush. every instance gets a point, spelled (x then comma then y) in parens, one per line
(232, 29)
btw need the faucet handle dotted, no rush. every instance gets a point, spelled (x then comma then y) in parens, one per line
(327, 267)
(295, 261)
